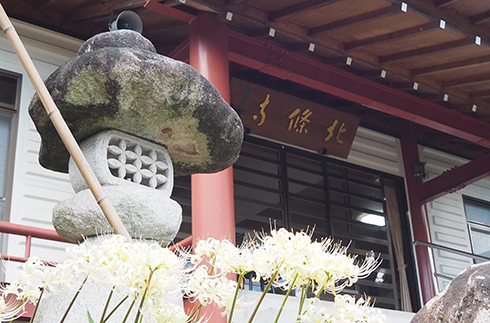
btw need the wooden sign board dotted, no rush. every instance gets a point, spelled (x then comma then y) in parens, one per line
(291, 120)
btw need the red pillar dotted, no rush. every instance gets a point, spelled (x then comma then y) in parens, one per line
(420, 223)
(213, 210)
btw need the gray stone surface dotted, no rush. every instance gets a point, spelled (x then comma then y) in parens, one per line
(124, 38)
(465, 300)
(121, 159)
(145, 212)
(145, 94)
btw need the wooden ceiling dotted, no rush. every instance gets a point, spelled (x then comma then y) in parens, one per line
(436, 50)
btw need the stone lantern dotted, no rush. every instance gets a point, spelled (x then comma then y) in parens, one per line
(140, 119)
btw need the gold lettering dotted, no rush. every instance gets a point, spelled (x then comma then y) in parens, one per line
(331, 130)
(341, 131)
(263, 105)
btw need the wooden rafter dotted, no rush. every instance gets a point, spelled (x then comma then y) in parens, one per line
(298, 8)
(430, 11)
(45, 3)
(480, 18)
(480, 94)
(427, 50)
(445, 3)
(452, 65)
(355, 19)
(392, 36)
(473, 79)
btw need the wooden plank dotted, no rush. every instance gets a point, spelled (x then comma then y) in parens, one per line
(392, 35)
(355, 19)
(427, 50)
(298, 8)
(480, 18)
(452, 65)
(284, 118)
(473, 79)
(481, 94)
(445, 3)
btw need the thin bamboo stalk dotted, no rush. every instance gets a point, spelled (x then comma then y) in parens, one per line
(60, 125)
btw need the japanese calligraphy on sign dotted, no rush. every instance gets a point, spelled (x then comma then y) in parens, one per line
(282, 117)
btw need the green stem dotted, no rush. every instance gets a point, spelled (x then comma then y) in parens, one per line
(129, 310)
(37, 305)
(196, 312)
(73, 300)
(286, 298)
(143, 297)
(106, 305)
(263, 296)
(304, 293)
(240, 276)
(115, 308)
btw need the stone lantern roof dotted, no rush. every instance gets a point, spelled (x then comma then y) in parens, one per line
(118, 81)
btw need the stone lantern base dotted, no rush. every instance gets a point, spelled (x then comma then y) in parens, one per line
(137, 178)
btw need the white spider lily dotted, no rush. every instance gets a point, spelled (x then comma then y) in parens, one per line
(146, 274)
(346, 310)
(11, 308)
(211, 289)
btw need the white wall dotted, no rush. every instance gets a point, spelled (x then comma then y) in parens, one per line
(268, 310)
(447, 218)
(378, 151)
(34, 190)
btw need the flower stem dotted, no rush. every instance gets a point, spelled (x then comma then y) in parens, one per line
(195, 313)
(115, 308)
(286, 298)
(304, 293)
(106, 305)
(129, 310)
(73, 300)
(37, 305)
(263, 296)
(143, 297)
(240, 276)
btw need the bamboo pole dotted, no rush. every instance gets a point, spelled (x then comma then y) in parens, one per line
(60, 125)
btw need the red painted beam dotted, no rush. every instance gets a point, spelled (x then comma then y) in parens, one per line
(181, 52)
(455, 179)
(279, 62)
(169, 11)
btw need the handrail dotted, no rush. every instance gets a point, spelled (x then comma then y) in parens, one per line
(184, 243)
(29, 232)
(33, 232)
(450, 250)
(456, 251)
